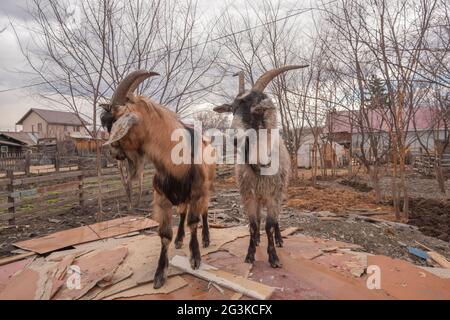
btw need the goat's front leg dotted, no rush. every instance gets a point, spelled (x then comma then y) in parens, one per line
(181, 210)
(271, 226)
(250, 207)
(162, 208)
(205, 230)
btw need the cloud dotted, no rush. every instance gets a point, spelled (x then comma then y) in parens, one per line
(15, 9)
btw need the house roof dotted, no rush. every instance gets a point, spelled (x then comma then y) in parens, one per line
(27, 138)
(422, 119)
(9, 143)
(54, 117)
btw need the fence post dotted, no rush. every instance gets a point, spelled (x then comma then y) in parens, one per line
(11, 199)
(27, 163)
(57, 160)
(80, 189)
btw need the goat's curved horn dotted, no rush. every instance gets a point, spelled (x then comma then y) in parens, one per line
(129, 84)
(268, 76)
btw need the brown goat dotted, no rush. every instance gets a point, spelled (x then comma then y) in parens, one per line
(141, 129)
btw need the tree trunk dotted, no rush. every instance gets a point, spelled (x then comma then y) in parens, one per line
(440, 177)
(376, 183)
(395, 197)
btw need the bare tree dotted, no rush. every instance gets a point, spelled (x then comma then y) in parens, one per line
(273, 44)
(81, 52)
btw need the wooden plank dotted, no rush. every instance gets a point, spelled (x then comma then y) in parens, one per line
(15, 258)
(4, 182)
(45, 178)
(6, 205)
(439, 259)
(289, 231)
(85, 234)
(6, 216)
(440, 272)
(227, 280)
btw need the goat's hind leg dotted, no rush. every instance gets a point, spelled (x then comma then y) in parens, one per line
(250, 207)
(182, 211)
(198, 207)
(163, 210)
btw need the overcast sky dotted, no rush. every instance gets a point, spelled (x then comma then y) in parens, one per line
(13, 67)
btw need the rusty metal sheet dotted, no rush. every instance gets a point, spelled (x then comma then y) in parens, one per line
(8, 270)
(102, 230)
(21, 287)
(403, 280)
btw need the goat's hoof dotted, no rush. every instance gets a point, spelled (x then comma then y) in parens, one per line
(250, 258)
(178, 244)
(205, 243)
(195, 262)
(274, 262)
(159, 281)
(279, 243)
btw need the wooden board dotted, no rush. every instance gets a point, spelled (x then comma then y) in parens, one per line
(102, 230)
(439, 259)
(172, 284)
(16, 258)
(224, 279)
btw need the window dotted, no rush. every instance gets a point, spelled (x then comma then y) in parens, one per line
(4, 149)
(39, 127)
(65, 128)
(32, 128)
(77, 129)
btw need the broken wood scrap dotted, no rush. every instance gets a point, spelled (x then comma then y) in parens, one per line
(16, 257)
(227, 280)
(93, 268)
(443, 273)
(172, 284)
(439, 259)
(390, 223)
(289, 231)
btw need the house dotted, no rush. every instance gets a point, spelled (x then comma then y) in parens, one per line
(17, 142)
(328, 154)
(342, 127)
(51, 124)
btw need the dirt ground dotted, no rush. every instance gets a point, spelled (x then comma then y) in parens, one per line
(332, 210)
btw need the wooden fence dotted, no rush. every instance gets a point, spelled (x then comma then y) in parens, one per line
(57, 193)
(425, 164)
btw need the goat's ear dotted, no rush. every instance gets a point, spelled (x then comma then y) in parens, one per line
(106, 106)
(223, 108)
(121, 127)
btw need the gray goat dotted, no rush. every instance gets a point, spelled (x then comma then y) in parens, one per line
(254, 110)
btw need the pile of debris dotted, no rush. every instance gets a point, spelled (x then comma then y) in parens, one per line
(117, 259)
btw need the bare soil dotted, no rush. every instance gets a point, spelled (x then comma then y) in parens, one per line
(432, 217)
